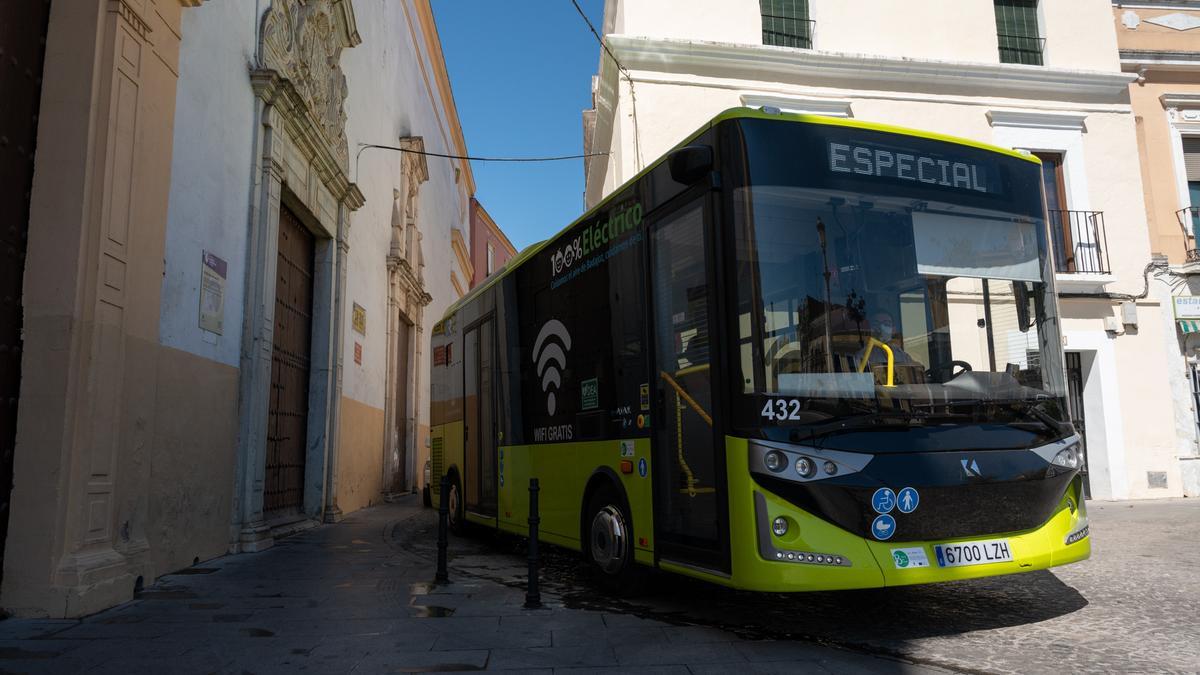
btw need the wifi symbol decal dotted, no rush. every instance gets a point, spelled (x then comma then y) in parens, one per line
(550, 354)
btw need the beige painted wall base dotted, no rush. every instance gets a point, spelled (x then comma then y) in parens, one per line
(360, 456)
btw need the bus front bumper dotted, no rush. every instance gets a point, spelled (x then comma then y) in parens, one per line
(814, 554)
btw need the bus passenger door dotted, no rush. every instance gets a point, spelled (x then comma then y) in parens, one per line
(479, 419)
(691, 515)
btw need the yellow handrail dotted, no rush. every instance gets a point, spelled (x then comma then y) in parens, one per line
(682, 396)
(688, 399)
(862, 365)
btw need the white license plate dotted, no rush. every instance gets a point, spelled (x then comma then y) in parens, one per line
(973, 553)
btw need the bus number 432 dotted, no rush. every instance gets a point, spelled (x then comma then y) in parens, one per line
(782, 409)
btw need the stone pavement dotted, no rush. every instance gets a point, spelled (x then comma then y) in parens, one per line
(1132, 607)
(354, 597)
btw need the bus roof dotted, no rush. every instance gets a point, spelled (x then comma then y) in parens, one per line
(732, 113)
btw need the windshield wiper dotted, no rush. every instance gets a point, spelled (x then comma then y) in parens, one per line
(879, 420)
(1027, 406)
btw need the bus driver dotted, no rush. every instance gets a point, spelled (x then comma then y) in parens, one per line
(883, 328)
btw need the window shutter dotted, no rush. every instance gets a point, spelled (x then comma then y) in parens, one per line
(1017, 31)
(785, 23)
(1191, 157)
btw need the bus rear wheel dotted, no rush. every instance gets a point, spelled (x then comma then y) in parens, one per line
(458, 524)
(608, 544)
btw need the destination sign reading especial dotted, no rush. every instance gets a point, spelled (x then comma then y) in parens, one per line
(865, 160)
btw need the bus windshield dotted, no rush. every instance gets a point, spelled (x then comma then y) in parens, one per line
(894, 311)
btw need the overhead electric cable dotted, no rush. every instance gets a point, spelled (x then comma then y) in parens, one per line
(365, 146)
(637, 145)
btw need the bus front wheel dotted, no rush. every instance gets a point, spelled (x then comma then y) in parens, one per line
(608, 545)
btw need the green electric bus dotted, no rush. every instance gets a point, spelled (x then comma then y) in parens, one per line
(794, 353)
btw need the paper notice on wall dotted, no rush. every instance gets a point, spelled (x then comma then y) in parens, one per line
(213, 273)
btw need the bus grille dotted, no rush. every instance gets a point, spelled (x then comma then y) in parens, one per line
(437, 452)
(1017, 494)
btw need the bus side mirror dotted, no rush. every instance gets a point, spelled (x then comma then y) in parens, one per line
(1021, 295)
(690, 163)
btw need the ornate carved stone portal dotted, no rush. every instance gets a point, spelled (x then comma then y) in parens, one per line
(407, 298)
(302, 157)
(303, 41)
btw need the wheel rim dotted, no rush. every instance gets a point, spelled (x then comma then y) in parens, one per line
(610, 539)
(453, 503)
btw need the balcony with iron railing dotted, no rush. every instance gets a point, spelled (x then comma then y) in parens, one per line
(1021, 49)
(786, 31)
(1080, 243)
(1189, 218)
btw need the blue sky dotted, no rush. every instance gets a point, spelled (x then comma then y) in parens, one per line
(521, 73)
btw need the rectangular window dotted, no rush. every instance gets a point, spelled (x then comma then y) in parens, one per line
(491, 259)
(785, 23)
(1057, 215)
(1018, 33)
(1191, 166)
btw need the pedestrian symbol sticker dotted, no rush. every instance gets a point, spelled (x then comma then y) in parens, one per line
(907, 500)
(643, 468)
(884, 500)
(883, 527)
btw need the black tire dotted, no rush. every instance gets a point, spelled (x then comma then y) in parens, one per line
(608, 542)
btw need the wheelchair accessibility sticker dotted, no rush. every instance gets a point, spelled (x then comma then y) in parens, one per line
(884, 500)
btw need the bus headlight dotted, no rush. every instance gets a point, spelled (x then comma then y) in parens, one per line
(772, 460)
(779, 526)
(806, 467)
(1067, 458)
(775, 461)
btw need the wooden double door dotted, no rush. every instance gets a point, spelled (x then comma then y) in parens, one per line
(291, 359)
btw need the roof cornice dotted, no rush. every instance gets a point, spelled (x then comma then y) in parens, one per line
(863, 71)
(1180, 100)
(1158, 4)
(1141, 60)
(1036, 120)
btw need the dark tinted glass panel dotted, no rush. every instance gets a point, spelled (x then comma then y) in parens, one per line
(582, 362)
(1017, 32)
(785, 23)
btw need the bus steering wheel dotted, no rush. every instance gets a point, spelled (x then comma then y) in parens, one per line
(963, 366)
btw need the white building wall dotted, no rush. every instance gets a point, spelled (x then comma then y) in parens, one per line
(210, 175)
(1078, 33)
(393, 94)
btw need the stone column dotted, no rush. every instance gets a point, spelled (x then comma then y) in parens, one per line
(258, 328)
(333, 513)
(93, 278)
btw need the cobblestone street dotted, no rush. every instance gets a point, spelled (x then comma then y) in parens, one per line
(1131, 607)
(355, 597)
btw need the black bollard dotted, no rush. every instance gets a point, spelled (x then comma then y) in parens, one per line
(443, 524)
(533, 597)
